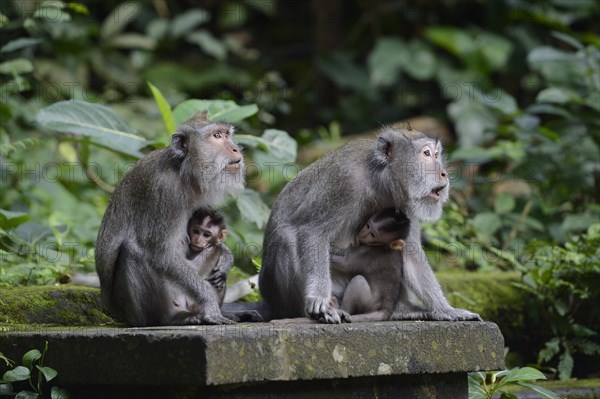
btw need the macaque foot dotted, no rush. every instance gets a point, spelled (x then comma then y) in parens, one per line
(251, 316)
(451, 314)
(464, 315)
(217, 278)
(320, 309)
(213, 319)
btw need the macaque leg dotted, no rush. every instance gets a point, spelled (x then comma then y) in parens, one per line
(377, 315)
(358, 297)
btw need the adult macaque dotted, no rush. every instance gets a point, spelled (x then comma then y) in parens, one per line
(366, 278)
(206, 250)
(144, 275)
(323, 208)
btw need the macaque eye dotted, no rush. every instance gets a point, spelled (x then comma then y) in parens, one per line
(206, 235)
(372, 235)
(217, 135)
(427, 153)
(196, 231)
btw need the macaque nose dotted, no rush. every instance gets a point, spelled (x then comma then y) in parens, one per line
(444, 173)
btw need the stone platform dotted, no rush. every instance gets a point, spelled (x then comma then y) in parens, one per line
(266, 360)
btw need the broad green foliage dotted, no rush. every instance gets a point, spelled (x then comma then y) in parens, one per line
(32, 375)
(485, 385)
(96, 121)
(565, 280)
(517, 83)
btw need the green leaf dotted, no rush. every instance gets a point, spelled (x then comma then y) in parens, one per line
(52, 14)
(520, 375)
(546, 393)
(476, 391)
(281, 145)
(577, 222)
(252, 208)
(186, 22)
(164, 107)
(16, 66)
(251, 141)
(487, 223)
(557, 95)
(10, 220)
(118, 19)
(422, 63)
(19, 44)
(218, 110)
(474, 122)
(96, 121)
(498, 99)
(495, 49)
(504, 203)
(3, 20)
(386, 60)
(208, 43)
(30, 357)
(453, 40)
(565, 366)
(133, 41)
(19, 373)
(27, 395)
(570, 40)
(58, 393)
(48, 372)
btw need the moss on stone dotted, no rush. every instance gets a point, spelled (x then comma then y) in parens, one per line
(62, 305)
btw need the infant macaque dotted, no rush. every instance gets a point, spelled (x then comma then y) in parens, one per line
(370, 270)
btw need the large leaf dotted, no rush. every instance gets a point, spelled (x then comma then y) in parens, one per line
(186, 22)
(96, 121)
(208, 43)
(252, 208)
(545, 393)
(386, 60)
(276, 142)
(48, 372)
(10, 220)
(19, 44)
(524, 374)
(218, 110)
(164, 107)
(119, 18)
(30, 357)
(19, 373)
(487, 223)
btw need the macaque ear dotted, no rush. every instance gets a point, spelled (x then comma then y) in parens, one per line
(397, 245)
(179, 142)
(384, 150)
(222, 236)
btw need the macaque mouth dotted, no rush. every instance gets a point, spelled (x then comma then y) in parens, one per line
(435, 193)
(233, 166)
(196, 248)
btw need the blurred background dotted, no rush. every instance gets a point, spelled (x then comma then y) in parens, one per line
(511, 87)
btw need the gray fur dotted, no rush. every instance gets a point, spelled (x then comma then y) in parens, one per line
(144, 275)
(326, 204)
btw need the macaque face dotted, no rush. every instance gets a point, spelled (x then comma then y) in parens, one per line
(204, 234)
(384, 228)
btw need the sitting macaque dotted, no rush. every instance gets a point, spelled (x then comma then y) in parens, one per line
(208, 254)
(371, 269)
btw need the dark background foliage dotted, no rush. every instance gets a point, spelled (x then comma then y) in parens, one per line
(512, 87)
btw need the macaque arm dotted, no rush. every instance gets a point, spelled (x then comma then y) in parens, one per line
(419, 278)
(217, 277)
(314, 253)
